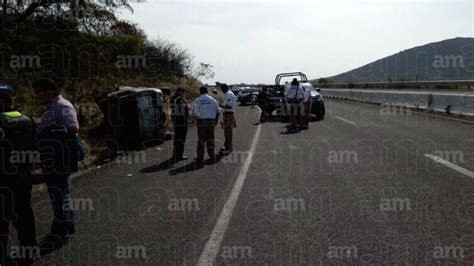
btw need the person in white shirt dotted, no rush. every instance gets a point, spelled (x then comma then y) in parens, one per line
(295, 97)
(206, 111)
(295, 91)
(229, 119)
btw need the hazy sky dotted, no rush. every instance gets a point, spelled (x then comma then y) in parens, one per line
(252, 41)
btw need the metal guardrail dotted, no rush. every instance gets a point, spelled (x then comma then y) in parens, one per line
(459, 104)
(398, 84)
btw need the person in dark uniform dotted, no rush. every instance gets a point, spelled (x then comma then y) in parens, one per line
(262, 101)
(179, 114)
(16, 138)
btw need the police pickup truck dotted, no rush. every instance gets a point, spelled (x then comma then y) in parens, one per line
(277, 97)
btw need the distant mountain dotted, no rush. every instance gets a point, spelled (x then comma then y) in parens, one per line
(451, 59)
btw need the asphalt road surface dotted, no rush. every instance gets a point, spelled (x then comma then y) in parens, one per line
(364, 186)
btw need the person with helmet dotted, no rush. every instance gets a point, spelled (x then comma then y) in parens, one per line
(16, 137)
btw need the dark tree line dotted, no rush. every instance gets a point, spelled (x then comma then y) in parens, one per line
(83, 46)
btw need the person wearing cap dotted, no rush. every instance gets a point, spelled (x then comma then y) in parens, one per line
(16, 136)
(179, 115)
(56, 132)
(229, 122)
(295, 97)
(206, 111)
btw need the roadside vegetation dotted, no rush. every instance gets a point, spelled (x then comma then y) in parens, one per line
(87, 50)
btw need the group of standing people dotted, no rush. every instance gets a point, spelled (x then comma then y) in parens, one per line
(56, 142)
(206, 111)
(299, 104)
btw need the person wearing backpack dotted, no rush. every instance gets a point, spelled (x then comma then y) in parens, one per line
(295, 97)
(16, 138)
(60, 152)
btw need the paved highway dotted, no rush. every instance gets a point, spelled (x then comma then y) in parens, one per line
(364, 186)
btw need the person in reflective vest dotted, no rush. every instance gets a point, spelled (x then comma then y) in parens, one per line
(16, 157)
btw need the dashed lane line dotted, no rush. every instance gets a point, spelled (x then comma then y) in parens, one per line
(345, 120)
(450, 165)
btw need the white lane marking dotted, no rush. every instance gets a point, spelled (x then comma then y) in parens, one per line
(209, 254)
(345, 120)
(450, 165)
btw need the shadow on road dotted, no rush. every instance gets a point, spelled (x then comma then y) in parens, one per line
(160, 167)
(194, 166)
(293, 130)
(275, 119)
(290, 131)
